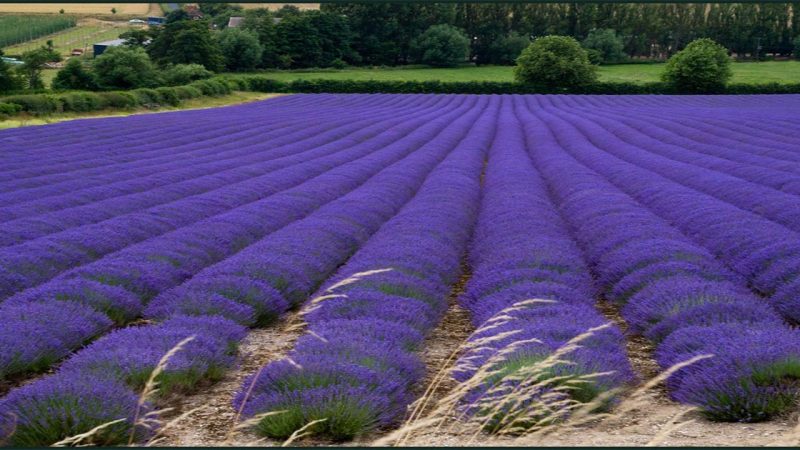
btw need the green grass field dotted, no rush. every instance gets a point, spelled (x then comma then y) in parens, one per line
(745, 72)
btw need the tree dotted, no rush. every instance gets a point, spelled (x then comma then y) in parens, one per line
(125, 68)
(8, 80)
(314, 39)
(176, 15)
(260, 21)
(137, 38)
(796, 46)
(34, 64)
(441, 46)
(186, 42)
(74, 76)
(607, 44)
(240, 48)
(113, 10)
(505, 50)
(555, 62)
(702, 67)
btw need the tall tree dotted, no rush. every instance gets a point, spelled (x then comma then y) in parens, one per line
(186, 42)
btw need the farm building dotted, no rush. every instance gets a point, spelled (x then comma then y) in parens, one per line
(235, 22)
(101, 47)
(156, 21)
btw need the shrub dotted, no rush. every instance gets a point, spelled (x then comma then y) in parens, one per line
(506, 50)
(125, 68)
(81, 101)
(36, 104)
(187, 92)
(212, 87)
(8, 109)
(180, 74)
(74, 76)
(35, 415)
(595, 57)
(169, 95)
(555, 62)
(240, 48)
(148, 98)
(702, 67)
(441, 45)
(606, 44)
(117, 99)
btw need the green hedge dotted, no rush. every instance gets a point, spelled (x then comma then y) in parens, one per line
(8, 109)
(80, 101)
(266, 84)
(49, 103)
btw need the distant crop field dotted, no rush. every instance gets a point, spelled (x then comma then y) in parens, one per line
(15, 29)
(76, 8)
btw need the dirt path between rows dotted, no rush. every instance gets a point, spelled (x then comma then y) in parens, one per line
(212, 425)
(650, 420)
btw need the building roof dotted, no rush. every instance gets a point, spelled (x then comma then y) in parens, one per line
(235, 22)
(111, 43)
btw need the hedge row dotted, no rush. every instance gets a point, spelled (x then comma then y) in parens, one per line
(42, 104)
(80, 101)
(266, 84)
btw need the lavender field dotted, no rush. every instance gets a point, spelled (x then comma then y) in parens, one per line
(362, 222)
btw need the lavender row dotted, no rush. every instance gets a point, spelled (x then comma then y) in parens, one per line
(707, 141)
(521, 250)
(764, 254)
(174, 130)
(764, 170)
(126, 357)
(100, 384)
(149, 149)
(671, 290)
(121, 284)
(33, 262)
(778, 207)
(285, 267)
(356, 367)
(247, 163)
(285, 130)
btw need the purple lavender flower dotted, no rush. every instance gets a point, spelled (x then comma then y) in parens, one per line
(62, 406)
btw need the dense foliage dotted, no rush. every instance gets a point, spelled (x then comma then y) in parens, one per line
(34, 62)
(125, 68)
(240, 48)
(441, 46)
(383, 31)
(606, 44)
(702, 67)
(186, 42)
(555, 62)
(75, 76)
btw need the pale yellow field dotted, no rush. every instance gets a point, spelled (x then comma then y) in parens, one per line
(276, 6)
(76, 8)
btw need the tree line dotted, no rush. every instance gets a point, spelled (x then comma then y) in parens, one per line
(385, 33)
(392, 33)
